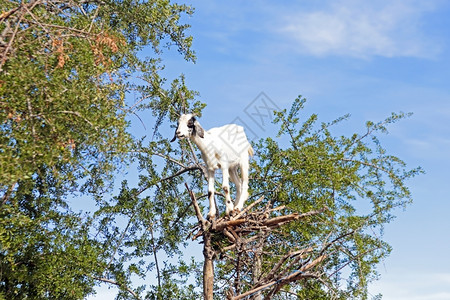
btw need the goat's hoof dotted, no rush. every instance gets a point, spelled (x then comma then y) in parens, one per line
(233, 213)
(210, 217)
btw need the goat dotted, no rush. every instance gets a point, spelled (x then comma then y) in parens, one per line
(225, 148)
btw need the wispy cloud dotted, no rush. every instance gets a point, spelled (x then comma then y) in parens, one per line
(413, 286)
(362, 29)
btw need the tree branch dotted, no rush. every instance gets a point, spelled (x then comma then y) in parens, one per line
(204, 223)
(78, 115)
(122, 236)
(119, 285)
(8, 193)
(154, 250)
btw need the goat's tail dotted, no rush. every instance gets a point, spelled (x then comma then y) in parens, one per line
(250, 150)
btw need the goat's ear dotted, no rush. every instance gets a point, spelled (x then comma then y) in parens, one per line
(174, 136)
(199, 130)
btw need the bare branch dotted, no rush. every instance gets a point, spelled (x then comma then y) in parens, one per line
(198, 212)
(248, 208)
(295, 216)
(165, 157)
(181, 172)
(283, 260)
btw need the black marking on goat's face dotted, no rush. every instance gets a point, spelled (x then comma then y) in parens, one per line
(191, 122)
(191, 126)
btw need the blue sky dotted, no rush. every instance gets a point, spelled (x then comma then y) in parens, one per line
(366, 58)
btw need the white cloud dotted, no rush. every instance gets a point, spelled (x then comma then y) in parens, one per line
(361, 29)
(413, 286)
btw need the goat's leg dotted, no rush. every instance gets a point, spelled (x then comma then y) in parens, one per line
(212, 202)
(226, 188)
(234, 176)
(244, 188)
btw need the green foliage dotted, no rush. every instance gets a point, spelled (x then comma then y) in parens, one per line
(45, 253)
(65, 69)
(305, 168)
(353, 177)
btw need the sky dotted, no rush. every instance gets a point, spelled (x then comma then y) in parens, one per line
(365, 58)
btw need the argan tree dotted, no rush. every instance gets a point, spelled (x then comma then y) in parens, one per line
(312, 228)
(65, 71)
(313, 225)
(318, 232)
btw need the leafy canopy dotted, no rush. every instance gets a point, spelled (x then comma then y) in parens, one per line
(66, 69)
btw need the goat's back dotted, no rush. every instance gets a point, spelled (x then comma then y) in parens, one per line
(232, 134)
(232, 139)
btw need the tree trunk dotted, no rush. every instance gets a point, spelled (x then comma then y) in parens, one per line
(208, 267)
(208, 251)
(257, 270)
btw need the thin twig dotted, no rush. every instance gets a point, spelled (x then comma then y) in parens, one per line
(120, 240)
(118, 284)
(167, 178)
(154, 250)
(166, 157)
(5, 53)
(8, 193)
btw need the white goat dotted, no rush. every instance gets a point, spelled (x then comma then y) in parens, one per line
(223, 147)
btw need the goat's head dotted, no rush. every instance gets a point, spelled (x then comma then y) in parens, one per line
(187, 127)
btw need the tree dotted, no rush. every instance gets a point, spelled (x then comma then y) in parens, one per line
(315, 232)
(64, 74)
(318, 206)
(313, 228)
